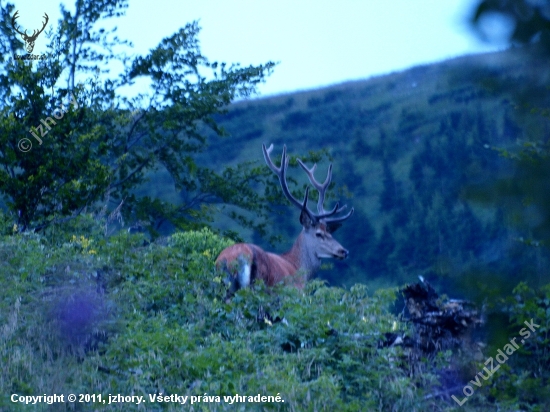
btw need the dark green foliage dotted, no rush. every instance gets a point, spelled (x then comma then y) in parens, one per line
(296, 120)
(531, 19)
(530, 390)
(410, 121)
(390, 196)
(381, 254)
(360, 148)
(82, 313)
(153, 321)
(105, 146)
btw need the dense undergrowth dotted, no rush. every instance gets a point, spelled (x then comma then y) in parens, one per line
(82, 313)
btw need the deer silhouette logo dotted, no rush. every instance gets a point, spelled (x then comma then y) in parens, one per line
(29, 40)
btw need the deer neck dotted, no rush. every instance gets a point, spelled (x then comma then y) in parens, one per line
(303, 257)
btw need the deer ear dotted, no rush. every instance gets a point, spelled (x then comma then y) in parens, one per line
(332, 227)
(305, 219)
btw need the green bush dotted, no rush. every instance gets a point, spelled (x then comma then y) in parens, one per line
(88, 314)
(203, 242)
(525, 377)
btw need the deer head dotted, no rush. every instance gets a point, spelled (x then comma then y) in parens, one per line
(29, 40)
(316, 241)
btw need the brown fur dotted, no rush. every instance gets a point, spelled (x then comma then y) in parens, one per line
(269, 267)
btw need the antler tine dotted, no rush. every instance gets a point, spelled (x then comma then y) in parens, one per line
(321, 188)
(341, 218)
(281, 174)
(15, 17)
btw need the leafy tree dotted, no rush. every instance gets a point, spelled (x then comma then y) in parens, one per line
(389, 196)
(470, 230)
(103, 145)
(416, 174)
(531, 19)
(523, 191)
(381, 254)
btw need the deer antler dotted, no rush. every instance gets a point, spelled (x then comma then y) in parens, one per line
(281, 173)
(321, 188)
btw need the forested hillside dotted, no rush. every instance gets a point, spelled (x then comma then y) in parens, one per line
(408, 150)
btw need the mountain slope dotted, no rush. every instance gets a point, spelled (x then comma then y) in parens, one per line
(406, 145)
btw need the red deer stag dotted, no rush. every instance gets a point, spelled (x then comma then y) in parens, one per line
(245, 262)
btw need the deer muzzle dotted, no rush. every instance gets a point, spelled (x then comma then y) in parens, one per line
(342, 253)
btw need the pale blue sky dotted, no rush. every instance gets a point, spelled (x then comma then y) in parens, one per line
(317, 42)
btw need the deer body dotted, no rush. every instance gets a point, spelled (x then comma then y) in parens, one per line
(252, 262)
(245, 262)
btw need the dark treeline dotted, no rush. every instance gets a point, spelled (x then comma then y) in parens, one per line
(408, 150)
